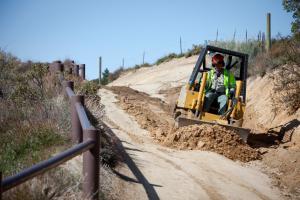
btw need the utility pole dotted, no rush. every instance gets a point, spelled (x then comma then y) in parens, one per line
(233, 39)
(268, 32)
(144, 57)
(100, 69)
(123, 63)
(263, 41)
(246, 36)
(217, 35)
(180, 46)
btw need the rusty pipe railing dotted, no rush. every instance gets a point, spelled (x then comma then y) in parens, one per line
(83, 133)
(46, 165)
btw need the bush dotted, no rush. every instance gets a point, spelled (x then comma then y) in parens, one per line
(285, 54)
(283, 51)
(286, 93)
(31, 113)
(88, 88)
(166, 58)
(196, 49)
(31, 140)
(116, 74)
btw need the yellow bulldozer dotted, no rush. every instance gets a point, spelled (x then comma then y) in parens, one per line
(189, 106)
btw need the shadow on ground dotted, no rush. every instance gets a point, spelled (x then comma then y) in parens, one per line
(140, 178)
(274, 136)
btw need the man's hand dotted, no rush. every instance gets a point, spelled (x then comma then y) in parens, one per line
(232, 93)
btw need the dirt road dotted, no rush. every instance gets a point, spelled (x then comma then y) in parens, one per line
(156, 172)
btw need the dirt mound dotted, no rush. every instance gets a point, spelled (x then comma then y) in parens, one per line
(137, 96)
(152, 114)
(212, 138)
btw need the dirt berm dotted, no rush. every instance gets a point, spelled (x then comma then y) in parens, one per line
(212, 138)
(152, 115)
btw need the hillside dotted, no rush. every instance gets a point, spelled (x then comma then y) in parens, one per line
(280, 158)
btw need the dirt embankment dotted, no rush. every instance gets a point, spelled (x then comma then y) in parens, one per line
(154, 115)
(212, 138)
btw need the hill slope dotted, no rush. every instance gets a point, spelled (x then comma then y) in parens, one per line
(164, 80)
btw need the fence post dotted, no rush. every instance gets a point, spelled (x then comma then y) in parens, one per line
(268, 32)
(76, 70)
(75, 122)
(91, 165)
(82, 71)
(56, 66)
(70, 70)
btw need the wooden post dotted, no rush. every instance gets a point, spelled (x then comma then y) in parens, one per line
(233, 38)
(91, 165)
(82, 71)
(144, 57)
(268, 32)
(180, 46)
(263, 41)
(100, 69)
(76, 70)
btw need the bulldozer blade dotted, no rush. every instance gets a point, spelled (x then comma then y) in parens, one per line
(242, 132)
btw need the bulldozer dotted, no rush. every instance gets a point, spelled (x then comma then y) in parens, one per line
(189, 106)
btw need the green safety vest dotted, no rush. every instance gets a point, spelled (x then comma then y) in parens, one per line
(229, 80)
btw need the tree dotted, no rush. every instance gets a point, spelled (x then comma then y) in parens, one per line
(105, 76)
(294, 7)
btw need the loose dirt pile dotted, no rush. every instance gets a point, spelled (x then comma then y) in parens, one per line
(153, 115)
(212, 138)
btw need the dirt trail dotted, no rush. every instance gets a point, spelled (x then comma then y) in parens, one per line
(152, 80)
(158, 172)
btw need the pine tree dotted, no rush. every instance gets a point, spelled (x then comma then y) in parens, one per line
(105, 75)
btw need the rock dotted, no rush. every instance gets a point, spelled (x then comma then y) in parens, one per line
(200, 144)
(263, 150)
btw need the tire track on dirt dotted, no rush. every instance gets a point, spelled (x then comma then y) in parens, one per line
(212, 193)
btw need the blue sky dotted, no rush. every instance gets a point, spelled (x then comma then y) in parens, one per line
(47, 30)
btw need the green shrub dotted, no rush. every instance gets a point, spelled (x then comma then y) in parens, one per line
(29, 103)
(166, 58)
(88, 88)
(24, 149)
(195, 50)
(116, 74)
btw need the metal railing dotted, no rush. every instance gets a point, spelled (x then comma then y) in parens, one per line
(84, 134)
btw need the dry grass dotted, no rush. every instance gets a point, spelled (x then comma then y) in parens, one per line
(110, 185)
(55, 184)
(284, 51)
(286, 94)
(35, 120)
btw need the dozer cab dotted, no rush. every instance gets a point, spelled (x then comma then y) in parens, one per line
(189, 106)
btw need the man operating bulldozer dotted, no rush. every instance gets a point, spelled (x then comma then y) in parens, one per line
(220, 85)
